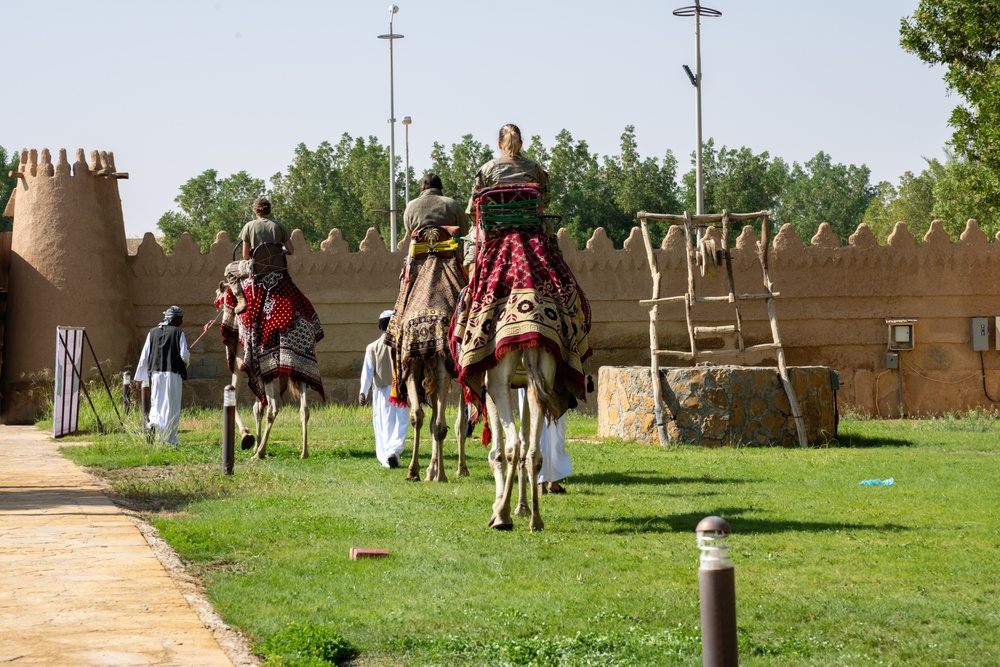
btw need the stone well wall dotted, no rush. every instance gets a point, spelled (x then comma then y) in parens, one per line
(717, 405)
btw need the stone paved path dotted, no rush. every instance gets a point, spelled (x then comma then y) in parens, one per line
(79, 584)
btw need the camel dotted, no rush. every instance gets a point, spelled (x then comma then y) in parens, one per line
(418, 337)
(273, 391)
(523, 307)
(278, 351)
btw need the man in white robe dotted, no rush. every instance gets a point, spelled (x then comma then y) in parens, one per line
(555, 460)
(163, 366)
(389, 421)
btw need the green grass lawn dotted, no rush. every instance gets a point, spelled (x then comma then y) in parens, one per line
(828, 572)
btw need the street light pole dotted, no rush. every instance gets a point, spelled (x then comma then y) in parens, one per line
(697, 11)
(406, 124)
(392, 134)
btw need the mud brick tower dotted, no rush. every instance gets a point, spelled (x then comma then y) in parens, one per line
(68, 268)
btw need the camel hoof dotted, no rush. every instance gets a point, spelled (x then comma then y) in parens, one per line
(496, 524)
(462, 472)
(413, 478)
(247, 441)
(534, 525)
(522, 510)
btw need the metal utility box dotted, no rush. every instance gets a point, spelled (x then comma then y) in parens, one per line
(892, 359)
(900, 334)
(980, 334)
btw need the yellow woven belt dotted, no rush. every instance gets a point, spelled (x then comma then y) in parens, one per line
(419, 248)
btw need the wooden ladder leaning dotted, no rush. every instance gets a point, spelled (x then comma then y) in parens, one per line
(696, 252)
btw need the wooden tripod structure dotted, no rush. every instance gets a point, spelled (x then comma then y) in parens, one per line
(703, 252)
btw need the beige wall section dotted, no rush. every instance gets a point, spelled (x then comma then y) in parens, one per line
(68, 267)
(832, 309)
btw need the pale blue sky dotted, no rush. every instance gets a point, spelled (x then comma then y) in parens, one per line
(176, 88)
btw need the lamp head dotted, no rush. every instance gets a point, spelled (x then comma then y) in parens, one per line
(406, 120)
(393, 9)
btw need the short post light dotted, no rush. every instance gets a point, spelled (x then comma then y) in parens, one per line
(717, 594)
(126, 392)
(228, 429)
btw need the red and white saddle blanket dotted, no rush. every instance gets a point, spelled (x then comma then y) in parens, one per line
(278, 333)
(521, 294)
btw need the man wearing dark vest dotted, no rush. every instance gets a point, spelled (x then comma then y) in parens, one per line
(163, 366)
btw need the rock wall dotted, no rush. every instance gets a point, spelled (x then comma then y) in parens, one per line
(715, 406)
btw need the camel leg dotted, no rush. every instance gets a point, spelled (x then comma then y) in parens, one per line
(416, 418)
(439, 421)
(273, 406)
(461, 423)
(496, 457)
(246, 438)
(498, 386)
(304, 417)
(540, 367)
(522, 472)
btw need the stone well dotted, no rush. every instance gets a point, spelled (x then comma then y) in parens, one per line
(714, 406)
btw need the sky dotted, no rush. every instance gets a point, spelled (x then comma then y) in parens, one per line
(175, 88)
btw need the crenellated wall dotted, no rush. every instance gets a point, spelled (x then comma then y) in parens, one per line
(69, 265)
(832, 308)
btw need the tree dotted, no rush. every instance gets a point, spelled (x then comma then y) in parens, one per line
(965, 37)
(7, 186)
(458, 167)
(209, 205)
(736, 180)
(639, 185)
(912, 202)
(821, 191)
(967, 189)
(310, 196)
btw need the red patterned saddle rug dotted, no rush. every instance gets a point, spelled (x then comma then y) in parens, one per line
(278, 333)
(425, 306)
(521, 294)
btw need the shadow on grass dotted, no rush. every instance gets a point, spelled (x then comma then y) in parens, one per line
(858, 441)
(688, 521)
(649, 477)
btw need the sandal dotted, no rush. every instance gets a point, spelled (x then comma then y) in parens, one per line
(554, 487)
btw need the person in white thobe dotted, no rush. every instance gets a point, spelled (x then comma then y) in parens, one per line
(555, 460)
(163, 366)
(388, 420)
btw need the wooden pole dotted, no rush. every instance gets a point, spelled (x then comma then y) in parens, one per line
(654, 364)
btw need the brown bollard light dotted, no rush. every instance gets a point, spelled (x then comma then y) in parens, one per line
(717, 594)
(228, 429)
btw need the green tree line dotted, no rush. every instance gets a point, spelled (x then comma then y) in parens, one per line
(343, 186)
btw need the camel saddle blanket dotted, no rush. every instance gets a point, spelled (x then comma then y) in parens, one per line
(521, 294)
(278, 332)
(423, 311)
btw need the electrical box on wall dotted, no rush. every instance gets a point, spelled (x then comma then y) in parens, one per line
(900, 334)
(980, 334)
(892, 359)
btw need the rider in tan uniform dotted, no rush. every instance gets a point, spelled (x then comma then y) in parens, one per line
(262, 229)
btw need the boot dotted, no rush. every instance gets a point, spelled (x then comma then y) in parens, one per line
(241, 303)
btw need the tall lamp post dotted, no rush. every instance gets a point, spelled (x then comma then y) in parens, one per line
(392, 135)
(406, 124)
(697, 11)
